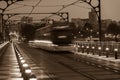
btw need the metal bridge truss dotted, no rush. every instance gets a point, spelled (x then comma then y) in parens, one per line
(64, 15)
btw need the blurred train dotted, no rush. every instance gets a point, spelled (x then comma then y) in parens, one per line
(54, 37)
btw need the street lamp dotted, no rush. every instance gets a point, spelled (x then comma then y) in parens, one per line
(99, 48)
(93, 47)
(107, 51)
(28, 71)
(32, 77)
(116, 53)
(25, 65)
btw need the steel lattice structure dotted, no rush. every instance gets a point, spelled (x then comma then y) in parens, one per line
(95, 4)
(2, 9)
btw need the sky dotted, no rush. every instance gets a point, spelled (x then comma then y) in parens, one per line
(109, 8)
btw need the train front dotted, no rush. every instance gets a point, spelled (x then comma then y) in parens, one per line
(55, 37)
(62, 36)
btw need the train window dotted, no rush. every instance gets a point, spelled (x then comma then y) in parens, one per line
(61, 27)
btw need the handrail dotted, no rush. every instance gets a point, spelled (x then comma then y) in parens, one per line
(106, 48)
(24, 67)
(3, 44)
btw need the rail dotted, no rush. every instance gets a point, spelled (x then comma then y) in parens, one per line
(24, 67)
(108, 49)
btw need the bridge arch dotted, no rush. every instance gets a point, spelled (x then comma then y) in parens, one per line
(95, 4)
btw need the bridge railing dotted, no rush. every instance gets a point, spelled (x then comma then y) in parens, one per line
(3, 44)
(108, 48)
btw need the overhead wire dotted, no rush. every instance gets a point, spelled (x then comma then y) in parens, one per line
(23, 4)
(41, 5)
(16, 8)
(65, 6)
(33, 7)
(37, 5)
(81, 6)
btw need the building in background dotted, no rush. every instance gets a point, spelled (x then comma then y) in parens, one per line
(93, 20)
(105, 23)
(77, 21)
(90, 24)
(26, 19)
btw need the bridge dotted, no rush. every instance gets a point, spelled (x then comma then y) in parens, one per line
(42, 40)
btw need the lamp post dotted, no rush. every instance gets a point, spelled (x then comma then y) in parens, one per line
(116, 53)
(107, 51)
(87, 47)
(93, 48)
(99, 48)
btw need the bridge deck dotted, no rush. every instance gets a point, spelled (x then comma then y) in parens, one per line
(9, 68)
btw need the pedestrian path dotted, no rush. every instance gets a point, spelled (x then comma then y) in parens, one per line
(9, 68)
(40, 71)
(37, 69)
(110, 61)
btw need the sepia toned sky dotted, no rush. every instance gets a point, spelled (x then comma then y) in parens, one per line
(110, 9)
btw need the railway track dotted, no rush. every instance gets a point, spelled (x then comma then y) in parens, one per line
(69, 67)
(89, 69)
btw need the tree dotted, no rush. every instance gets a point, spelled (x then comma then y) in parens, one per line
(27, 31)
(87, 30)
(39, 25)
(113, 29)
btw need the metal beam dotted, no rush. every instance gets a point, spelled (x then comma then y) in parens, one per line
(7, 4)
(63, 15)
(96, 5)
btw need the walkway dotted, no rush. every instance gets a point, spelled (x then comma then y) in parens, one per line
(9, 68)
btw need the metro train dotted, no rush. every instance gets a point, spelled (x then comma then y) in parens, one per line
(54, 37)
